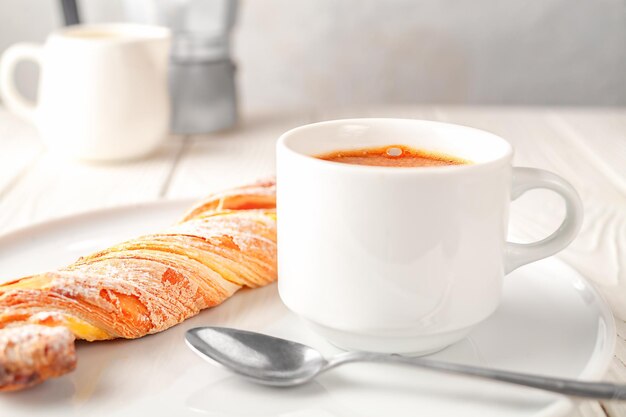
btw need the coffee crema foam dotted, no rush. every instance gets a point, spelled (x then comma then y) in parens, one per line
(401, 156)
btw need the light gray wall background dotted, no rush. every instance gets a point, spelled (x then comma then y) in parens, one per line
(316, 53)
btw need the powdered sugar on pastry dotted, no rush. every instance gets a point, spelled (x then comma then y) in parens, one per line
(138, 287)
(30, 354)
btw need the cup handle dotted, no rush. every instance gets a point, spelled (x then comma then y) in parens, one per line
(12, 98)
(524, 179)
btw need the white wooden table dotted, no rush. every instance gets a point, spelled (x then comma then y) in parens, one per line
(586, 146)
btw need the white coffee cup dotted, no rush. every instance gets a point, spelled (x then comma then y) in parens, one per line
(102, 90)
(404, 260)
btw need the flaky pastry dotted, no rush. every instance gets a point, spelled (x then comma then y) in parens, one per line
(139, 287)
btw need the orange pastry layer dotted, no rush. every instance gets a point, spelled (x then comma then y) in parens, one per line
(139, 287)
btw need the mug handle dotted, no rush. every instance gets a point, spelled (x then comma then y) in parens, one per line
(12, 98)
(524, 179)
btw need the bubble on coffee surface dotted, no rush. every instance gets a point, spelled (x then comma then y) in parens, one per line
(393, 151)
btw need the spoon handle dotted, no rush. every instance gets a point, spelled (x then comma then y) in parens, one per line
(571, 387)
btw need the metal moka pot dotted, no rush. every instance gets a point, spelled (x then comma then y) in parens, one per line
(202, 74)
(202, 84)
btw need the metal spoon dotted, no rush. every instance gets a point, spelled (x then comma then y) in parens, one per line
(278, 362)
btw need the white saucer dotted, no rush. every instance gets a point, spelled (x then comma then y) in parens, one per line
(551, 322)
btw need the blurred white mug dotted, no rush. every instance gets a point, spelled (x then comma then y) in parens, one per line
(102, 90)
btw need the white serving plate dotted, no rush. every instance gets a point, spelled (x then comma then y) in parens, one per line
(551, 322)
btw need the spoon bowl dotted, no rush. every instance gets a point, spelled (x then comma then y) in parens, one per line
(269, 360)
